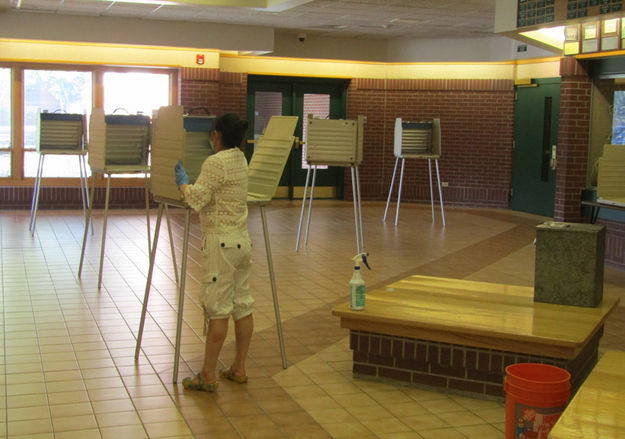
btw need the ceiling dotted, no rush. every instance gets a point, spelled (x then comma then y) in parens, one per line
(379, 19)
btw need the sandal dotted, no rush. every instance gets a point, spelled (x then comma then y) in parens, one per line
(229, 375)
(188, 384)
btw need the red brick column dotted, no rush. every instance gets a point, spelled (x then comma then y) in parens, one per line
(199, 88)
(573, 131)
(233, 93)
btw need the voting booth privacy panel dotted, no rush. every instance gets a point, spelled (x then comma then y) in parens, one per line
(421, 139)
(270, 155)
(176, 136)
(61, 131)
(611, 175)
(335, 142)
(117, 140)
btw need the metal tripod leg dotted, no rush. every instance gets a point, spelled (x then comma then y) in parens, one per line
(84, 237)
(358, 250)
(171, 244)
(33, 215)
(401, 182)
(84, 188)
(362, 233)
(148, 283)
(106, 213)
(440, 191)
(274, 290)
(147, 208)
(301, 213)
(390, 190)
(431, 189)
(183, 275)
(312, 193)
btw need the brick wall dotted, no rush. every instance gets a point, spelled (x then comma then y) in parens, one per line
(477, 129)
(456, 368)
(199, 88)
(51, 197)
(573, 132)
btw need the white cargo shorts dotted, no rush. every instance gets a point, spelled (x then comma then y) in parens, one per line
(225, 279)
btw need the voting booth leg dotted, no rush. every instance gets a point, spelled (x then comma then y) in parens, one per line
(84, 237)
(362, 233)
(36, 191)
(401, 182)
(183, 275)
(356, 220)
(147, 208)
(301, 213)
(106, 214)
(274, 291)
(171, 244)
(84, 187)
(440, 191)
(312, 194)
(390, 190)
(148, 283)
(431, 188)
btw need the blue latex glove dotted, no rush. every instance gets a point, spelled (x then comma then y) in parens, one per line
(181, 174)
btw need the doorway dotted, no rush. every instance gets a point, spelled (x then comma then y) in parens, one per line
(286, 96)
(537, 109)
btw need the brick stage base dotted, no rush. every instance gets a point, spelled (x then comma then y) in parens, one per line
(460, 369)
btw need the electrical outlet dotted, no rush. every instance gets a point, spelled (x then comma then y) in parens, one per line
(445, 184)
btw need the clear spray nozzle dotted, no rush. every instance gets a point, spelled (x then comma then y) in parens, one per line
(361, 258)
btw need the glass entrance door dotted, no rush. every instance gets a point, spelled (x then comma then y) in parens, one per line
(274, 96)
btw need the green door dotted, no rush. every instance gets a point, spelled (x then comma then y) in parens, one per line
(269, 96)
(537, 109)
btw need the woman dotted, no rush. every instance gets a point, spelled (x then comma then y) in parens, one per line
(220, 195)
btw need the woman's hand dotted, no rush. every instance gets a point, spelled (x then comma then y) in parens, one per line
(182, 179)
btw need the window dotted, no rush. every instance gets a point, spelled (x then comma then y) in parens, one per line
(135, 93)
(618, 119)
(5, 122)
(53, 91)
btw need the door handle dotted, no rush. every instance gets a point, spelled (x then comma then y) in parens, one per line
(553, 160)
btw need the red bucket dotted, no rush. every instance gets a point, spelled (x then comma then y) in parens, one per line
(536, 396)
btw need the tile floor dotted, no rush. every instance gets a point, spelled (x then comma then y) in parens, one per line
(68, 367)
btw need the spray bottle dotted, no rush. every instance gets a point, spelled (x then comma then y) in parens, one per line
(357, 288)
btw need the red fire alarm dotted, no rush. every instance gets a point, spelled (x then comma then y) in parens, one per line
(199, 59)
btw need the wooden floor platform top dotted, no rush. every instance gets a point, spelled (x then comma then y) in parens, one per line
(480, 314)
(598, 409)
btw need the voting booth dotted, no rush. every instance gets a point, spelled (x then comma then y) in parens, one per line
(60, 134)
(178, 137)
(334, 142)
(419, 140)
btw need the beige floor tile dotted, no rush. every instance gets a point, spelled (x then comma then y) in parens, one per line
(347, 430)
(481, 432)
(92, 433)
(26, 413)
(117, 419)
(124, 432)
(67, 397)
(34, 436)
(329, 416)
(69, 423)
(160, 415)
(17, 401)
(385, 426)
(167, 429)
(29, 427)
(64, 410)
(424, 422)
(438, 433)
